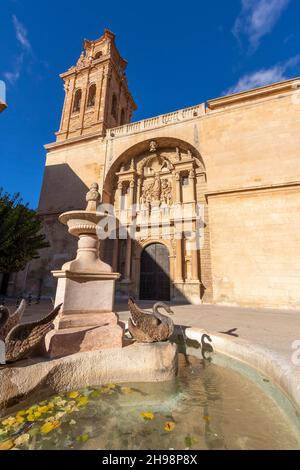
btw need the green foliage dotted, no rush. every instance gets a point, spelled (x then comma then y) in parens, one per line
(20, 237)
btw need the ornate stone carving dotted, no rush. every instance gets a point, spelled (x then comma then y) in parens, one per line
(83, 61)
(166, 192)
(93, 198)
(159, 191)
(153, 146)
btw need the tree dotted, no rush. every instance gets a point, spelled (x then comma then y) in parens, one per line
(20, 234)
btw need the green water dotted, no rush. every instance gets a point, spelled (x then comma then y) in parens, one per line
(206, 407)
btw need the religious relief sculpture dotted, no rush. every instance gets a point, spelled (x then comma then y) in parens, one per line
(159, 191)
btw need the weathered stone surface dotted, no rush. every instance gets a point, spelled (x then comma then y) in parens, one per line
(72, 340)
(135, 363)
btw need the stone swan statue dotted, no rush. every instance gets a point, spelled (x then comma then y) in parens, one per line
(150, 328)
(22, 339)
(8, 321)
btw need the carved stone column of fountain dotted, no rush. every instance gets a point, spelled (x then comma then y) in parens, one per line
(86, 287)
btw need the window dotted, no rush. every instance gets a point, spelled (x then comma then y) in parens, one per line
(123, 117)
(184, 181)
(98, 55)
(77, 101)
(92, 96)
(114, 106)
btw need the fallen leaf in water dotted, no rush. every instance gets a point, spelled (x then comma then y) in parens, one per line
(7, 445)
(83, 438)
(147, 415)
(73, 394)
(126, 390)
(21, 440)
(169, 426)
(49, 426)
(206, 418)
(82, 401)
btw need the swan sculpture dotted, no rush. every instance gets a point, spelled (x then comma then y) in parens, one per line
(150, 328)
(22, 339)
(8, 321)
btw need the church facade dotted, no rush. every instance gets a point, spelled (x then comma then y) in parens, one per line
(232, 163)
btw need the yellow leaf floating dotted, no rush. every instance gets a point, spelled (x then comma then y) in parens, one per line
(83, 438)
(49, 426)
(147, 415)
(82, 401)
(169, 426)
(73, 394)
(7, 445)
(207, 418)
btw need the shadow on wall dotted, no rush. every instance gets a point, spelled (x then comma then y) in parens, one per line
(62, 190)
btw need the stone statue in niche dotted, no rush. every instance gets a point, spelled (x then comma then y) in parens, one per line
(166, 192)
(156, 188)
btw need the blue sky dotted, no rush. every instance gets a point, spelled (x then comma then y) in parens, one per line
(179, 53)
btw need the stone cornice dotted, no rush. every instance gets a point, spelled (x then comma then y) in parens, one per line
(254, 94)
(73, 140)
(249, 189)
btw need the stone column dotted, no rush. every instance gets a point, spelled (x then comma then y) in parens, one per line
(119, 195)
(128, 259)
(195, 269)
(192, 180)
(178, 268)
(177, 188)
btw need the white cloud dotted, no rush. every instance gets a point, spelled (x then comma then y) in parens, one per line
(265, 76)
(258, 18)
(21, 34)
(13, 76)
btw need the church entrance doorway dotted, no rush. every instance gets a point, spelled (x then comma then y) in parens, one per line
(155, 273)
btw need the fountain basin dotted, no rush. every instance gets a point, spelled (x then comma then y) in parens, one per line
(134, 363)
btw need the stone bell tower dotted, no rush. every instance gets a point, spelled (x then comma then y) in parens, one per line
(96, 91)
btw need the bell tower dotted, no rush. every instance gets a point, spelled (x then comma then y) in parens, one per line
(96, 91)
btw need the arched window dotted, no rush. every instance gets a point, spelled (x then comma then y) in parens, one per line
(77, 101)
(92, 96)
(114, 106)
(98, 55)
(123, 117)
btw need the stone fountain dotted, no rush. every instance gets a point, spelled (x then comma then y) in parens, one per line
(86, 288)
(86, 346)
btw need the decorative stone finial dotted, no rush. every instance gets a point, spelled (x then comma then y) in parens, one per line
(93, 198)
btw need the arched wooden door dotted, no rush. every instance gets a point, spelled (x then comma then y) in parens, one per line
(155, 273)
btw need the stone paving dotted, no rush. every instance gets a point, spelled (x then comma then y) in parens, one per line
(274, 329)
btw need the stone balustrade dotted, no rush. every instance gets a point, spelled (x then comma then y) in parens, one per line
(157, 121)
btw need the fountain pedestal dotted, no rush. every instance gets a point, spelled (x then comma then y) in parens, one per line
(86, 288)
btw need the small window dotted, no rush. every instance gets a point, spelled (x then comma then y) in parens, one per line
(114, 106)
(184, 181)
(77, 101)
(92, 96)
(98, 55)
(123, 117)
